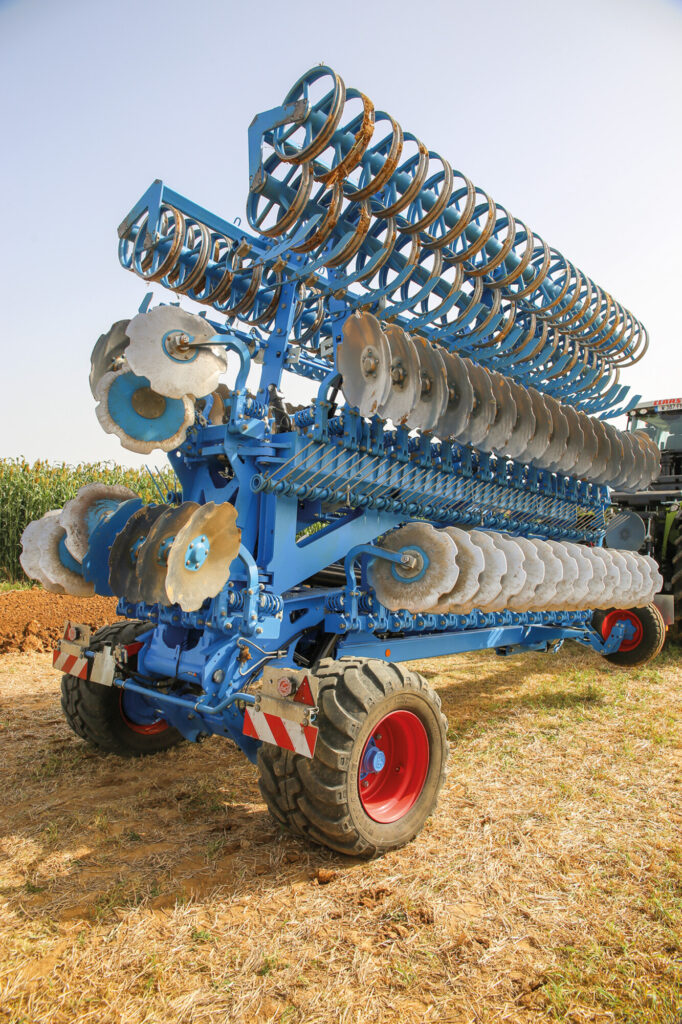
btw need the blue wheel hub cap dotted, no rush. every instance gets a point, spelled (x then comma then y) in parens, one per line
(374, 760)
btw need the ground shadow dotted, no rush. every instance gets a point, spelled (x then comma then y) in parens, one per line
(94, 834)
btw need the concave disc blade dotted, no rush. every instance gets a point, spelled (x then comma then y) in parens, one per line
(656, 580)
(558, 438)
(460, 397)
(563, 599)
(615, 458)
(141, 419)
(637, 573)
(524, 427)
(418, 587)
(623, 589)
(60, 578)
(629, 473)
(611, 578)
(201, 554)
(652, 454)
(599, 463)
(108, 352)
(577, 599)
(405, 382)
(574, 442)
(433, 394)
(534, 567)
(595, 592)
(471, 563)
(515, 575)
(31, 549)
(151, 564)
(156, 352)
(363, 358)
(490, 580)
(539, 440)
(483, 412)
(545, 592)
(125, 550)
(640, 473)
(218, 411)
(505, 415)
(586, 458)
(81, 514)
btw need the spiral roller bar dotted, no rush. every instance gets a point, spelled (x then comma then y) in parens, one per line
(237, 281)
(438, 210)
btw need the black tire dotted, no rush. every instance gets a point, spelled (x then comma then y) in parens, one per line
(320, 797)
(651, 640)
(95, 712)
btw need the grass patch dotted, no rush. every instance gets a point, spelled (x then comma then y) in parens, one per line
(547, 885)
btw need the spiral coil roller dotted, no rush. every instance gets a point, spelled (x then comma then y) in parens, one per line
(433, 219)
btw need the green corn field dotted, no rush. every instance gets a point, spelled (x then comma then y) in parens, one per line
(28, 490)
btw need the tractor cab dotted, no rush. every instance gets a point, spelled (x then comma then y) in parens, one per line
(662, 422)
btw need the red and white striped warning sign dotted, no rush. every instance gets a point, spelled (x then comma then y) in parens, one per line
(294, 736)
(70, 664)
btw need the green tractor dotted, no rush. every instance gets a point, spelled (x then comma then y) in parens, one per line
(650, 521)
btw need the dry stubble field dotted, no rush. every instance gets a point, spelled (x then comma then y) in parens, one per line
(548, 886)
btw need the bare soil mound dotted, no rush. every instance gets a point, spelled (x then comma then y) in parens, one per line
(33, 620)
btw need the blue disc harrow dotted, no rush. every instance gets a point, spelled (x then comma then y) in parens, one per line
(446, 490)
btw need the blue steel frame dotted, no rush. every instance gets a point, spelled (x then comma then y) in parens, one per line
(195, 668)
(325, 490)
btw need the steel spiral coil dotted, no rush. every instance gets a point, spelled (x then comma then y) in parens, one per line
(391, 218)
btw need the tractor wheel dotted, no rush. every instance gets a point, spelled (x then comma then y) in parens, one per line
(644, 638)
(379, 763)
(106, 716)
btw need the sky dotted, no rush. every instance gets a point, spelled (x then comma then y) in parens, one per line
(567, 114)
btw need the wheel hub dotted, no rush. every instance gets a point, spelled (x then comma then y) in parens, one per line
(634, 631)
(393, 766)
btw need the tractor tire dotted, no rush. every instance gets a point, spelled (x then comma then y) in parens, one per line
(647, 641)
(379, 762)
(96, 712)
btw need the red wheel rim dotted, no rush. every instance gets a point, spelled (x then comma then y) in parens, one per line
(628, 643)
(391, 781)
(152, 729)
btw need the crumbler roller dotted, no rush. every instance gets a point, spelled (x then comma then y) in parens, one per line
(440, 483)
(535, 573)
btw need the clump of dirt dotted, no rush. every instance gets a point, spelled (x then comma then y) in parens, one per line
(33, 620)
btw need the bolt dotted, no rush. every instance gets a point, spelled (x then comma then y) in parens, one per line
(365, 783)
